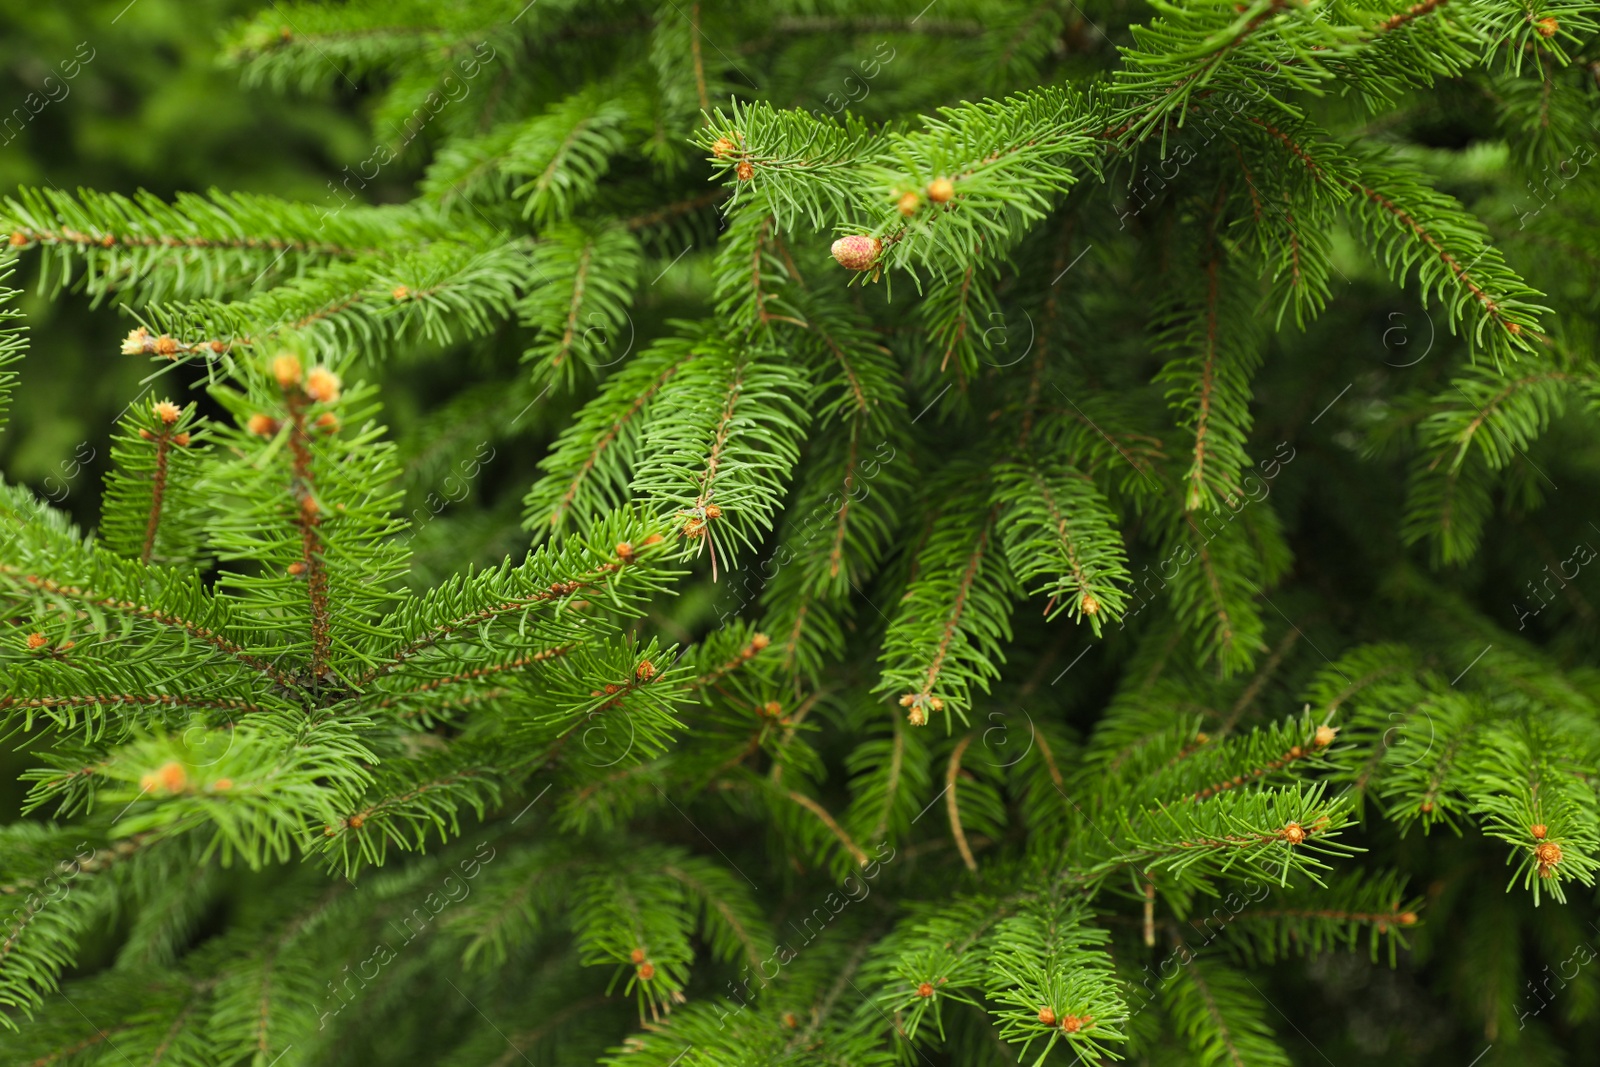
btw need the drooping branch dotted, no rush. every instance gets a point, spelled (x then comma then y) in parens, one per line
(833, 826)
(953, 806)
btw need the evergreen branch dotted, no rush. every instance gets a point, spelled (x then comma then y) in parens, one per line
(1397, 207)
(565, 152)
(583, 303)
(196, 246)
(59, 573)
(1061, 529)
(718, 454)
(437, 292)
(1223, 1024)
(619, 564)
(757, 643)
(13, 340)
(309, 519)
(947, 633)
(313, 506)
(1395, 21)
(591, 465)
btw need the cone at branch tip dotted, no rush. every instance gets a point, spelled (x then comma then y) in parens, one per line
(857, 252)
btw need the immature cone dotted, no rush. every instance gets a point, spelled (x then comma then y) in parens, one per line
(168, 777)
(166, 411)
(166, 346)
(37, 640)
(760, 641)
(1325, 735)
(909, 203)
(1047, 1016)
(286, 368)
(941, 190)
(745, 170)
(1538, 831)
(857, 252)
(261, 425)
(401, 293)
(1293, 833)
(1089, 604)
(722, 148)
(924, 990)
(1547, 26)
(1548, 855)
(134, 344)
(647, 971)
(322, 384)
(637, 956)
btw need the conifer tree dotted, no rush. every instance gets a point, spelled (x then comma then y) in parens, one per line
(970, 532)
